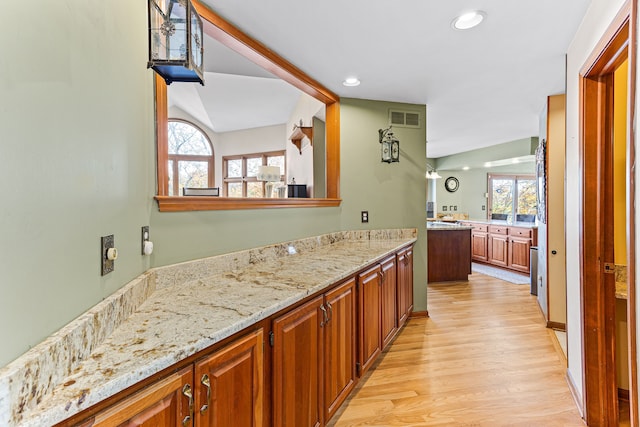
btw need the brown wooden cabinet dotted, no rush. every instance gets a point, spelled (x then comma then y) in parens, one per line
(369, 331)
(339, 346)
(314, 355)
(521, 240)
(166, 403)
(230, 385)
(297, 382)
(404, 285)
(388, 304)
(479, 248)
(498, 246)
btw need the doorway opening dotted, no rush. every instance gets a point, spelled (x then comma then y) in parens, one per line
(607, 99)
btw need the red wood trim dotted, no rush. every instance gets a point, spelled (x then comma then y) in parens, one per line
(418, 314)
(596, 243)
(631, 221)
(611, 43)
(162, 137)
(203, 203)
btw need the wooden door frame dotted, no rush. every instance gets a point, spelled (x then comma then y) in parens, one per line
(597, 288)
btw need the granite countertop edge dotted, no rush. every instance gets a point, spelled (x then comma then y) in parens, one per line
(83, 388)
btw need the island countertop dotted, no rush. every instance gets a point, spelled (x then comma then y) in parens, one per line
(188, 309)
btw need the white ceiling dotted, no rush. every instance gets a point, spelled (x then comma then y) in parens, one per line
(482, 86)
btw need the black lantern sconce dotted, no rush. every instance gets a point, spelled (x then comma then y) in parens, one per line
(175, 41)
(389, 146)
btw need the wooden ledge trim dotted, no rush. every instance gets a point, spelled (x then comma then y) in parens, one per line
(204, 203)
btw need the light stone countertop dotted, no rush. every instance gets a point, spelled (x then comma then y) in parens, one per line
(499, 222)
(177, 320)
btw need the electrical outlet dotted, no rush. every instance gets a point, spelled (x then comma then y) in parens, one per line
(107, 262)
(144, 237)
(364, 216)
(444, 208)
(483, 207)
(455, 208)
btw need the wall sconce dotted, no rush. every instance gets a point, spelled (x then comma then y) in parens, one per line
(390, 146)
(175, 41)
(431, 172)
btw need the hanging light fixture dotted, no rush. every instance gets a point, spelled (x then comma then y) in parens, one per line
(175, 41)
(390, 146)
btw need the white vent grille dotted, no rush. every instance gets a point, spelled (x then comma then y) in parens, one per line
(408, 119)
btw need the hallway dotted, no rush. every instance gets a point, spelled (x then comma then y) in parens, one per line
(483, 358)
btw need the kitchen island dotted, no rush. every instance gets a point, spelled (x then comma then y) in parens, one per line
(448, 252)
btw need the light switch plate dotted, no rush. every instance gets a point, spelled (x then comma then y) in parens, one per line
(144, 237)
(364, 216)
(106, 242)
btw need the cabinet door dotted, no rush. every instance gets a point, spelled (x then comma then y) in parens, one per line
(162, 404)
(339, 346)
(519, 254)
(369, 333)
(404, 285)
(230, 385)
(498, 249)
(297, 366)
(479, 249)
(388, 318)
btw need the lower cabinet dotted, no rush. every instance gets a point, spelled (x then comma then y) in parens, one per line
(229, 388)
(479, 249)
(404, 285)
(388, 304)
(165, 403)
(228, 391)
(499, 249)
(314, 358)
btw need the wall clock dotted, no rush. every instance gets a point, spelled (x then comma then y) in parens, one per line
(451, 184)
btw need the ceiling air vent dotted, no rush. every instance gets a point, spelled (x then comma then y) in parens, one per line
(408, 119)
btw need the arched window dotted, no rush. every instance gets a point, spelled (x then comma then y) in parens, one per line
(190, 157)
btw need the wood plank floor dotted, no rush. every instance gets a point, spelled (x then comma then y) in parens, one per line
(483, 358)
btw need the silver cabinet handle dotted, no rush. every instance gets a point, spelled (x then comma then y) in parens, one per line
(324, 315)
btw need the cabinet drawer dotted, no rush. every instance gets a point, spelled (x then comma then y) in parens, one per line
(497, 229)
(482, 228)
(520, 232)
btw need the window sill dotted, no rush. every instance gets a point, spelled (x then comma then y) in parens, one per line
(204, 203)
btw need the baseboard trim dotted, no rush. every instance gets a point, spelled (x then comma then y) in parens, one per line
(577, 397)
(557, 326)
(418, 314)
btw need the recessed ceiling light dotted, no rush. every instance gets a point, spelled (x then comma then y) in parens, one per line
(465, 168)
(468, 20)
(351, 81)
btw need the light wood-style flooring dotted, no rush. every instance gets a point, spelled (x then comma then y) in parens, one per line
(483, 358)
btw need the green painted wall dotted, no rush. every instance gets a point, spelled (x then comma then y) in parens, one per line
(76, 122)
(78, 162)
(473, 185)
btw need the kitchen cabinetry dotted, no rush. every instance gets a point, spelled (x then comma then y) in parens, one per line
(314, 358)
(503, 245)
(498, 246)
(404, 285)
(297, 340)
(230, 385)
(388, 304)
(378, 325)
(166, 403)
(303, 378)
(521, 242)
(339, 346)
